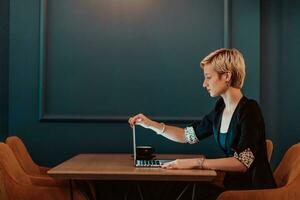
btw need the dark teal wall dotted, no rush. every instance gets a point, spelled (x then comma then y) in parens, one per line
(280, 30)
(4, 65)
(100, 67)
(289, 85)
(246, 38)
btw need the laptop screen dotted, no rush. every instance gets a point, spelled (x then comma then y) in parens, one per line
(145, 163)
(134, 145)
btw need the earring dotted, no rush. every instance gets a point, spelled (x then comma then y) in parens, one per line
(228, 84)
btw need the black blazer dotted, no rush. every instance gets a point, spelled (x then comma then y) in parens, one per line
(246, 130)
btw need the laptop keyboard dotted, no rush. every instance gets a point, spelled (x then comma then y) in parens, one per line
(150, 163)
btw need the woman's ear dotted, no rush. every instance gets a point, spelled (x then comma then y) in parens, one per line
(228, 76)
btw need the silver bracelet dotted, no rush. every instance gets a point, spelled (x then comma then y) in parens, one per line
(163, 129)
(157, 130)
(200, 162)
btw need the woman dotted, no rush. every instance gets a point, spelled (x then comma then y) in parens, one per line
(236, 123)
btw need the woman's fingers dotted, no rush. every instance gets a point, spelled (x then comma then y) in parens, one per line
(139, 119)
(169, 165)
(136, 119)
(130, 121)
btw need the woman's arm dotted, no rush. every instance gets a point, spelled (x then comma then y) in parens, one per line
(224, 164)
(171, 132)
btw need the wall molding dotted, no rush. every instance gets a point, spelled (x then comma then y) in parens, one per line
(227, 24)
(42, 77)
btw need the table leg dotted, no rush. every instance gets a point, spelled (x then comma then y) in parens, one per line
(86, 188)
(183, 191)
(140, 191)
(194, 190)
(71, 189)
(92, 190)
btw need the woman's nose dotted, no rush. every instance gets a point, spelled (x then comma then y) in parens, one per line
(204, 84)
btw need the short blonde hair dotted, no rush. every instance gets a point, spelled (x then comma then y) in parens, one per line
(227, 60)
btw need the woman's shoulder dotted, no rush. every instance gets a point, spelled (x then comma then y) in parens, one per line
(249, 107)
(249, 103)
(246, 105)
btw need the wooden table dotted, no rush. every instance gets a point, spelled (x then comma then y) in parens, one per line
(120, 167)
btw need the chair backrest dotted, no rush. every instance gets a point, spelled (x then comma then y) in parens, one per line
(289, 167)
(16, 184)
(9, 166)
(269, 148)
(22, 155)
(3, 193)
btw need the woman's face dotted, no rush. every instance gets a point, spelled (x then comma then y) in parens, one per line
(213, 82)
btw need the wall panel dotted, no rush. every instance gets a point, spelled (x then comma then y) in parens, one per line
(97, 58)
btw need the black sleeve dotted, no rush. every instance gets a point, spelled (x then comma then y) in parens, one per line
(204, 127)
(251, 132)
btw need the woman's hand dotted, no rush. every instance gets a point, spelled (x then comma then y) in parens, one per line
(141, 120)
(182, 164)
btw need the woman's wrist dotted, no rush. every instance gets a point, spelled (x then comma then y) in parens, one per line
(157, 127)
(163, 129)
(200, 162)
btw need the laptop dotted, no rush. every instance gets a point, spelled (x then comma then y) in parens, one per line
(145, 163)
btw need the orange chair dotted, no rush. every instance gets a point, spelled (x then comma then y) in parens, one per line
(287, 177)
(24, 158)
(31, 168)
(16, 184)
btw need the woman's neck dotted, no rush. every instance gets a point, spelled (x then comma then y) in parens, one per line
(231, 98)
